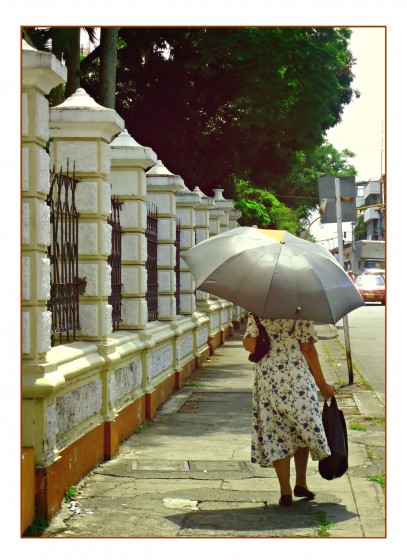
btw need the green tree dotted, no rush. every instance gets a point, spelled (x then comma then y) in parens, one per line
(261, 208)
(299, 189)
(360, 229)
(218, 101)
(64, 43)
(109, 37)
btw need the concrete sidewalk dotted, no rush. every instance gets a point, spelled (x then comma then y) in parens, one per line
(188, 473)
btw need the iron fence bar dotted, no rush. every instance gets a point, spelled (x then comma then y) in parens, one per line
(152, 261)
(178, 268)
(115, 261)
(63, 254)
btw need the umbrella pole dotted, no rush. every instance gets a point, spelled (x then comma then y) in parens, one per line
(347, 347)
(340, 254)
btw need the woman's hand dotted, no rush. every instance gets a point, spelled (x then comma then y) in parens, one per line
(249, 343)
(328, 391)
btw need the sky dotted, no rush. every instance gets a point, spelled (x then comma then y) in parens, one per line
(362, 129)
(363, 126)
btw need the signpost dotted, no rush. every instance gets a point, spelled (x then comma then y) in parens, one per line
(338, 204)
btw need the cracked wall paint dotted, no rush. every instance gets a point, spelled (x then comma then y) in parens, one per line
(78, 405)
(225, 317)
(44, 331)
(202, 337)
(123, 381)
(159, 361)
(51, 431)
(185, 346)
(214, 321)
(44, 275)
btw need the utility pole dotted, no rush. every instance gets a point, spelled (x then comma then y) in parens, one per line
(341, 261)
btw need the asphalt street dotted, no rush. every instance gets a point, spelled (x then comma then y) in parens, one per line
(367, 341)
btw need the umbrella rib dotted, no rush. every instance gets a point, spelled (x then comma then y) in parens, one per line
(322, 286)
(271, 281)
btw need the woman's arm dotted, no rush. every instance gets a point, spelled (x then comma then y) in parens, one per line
(249, 343)
(250, 336)
(311, 355)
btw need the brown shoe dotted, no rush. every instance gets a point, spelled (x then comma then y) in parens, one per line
(285, 500)
(301, 492)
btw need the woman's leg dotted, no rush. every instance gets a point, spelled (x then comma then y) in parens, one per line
(301, 461)
(282, 467)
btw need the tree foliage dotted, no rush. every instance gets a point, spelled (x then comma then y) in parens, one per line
(221, 101)
(262, 209)
(299, 189)
(64, 43)
(360, 229)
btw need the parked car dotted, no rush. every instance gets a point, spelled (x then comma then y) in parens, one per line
(380, 271)
(371, 287)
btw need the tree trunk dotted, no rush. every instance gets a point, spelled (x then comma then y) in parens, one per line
(73, 59)
(108, 60)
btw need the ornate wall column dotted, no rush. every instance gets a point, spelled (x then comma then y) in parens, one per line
(237, 312)
(162, 185)
(41, 72)
(202, 228)
(186, 203)
(234, 215)
(225, 205)
(81, 132)
(216, 215)
(128, 179)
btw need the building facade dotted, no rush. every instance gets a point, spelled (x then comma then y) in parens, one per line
(112, 323)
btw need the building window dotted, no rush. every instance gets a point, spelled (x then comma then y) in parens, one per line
(152, 262)
(63, 255)
(115, 261)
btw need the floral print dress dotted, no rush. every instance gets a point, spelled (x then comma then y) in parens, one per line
(285, 403)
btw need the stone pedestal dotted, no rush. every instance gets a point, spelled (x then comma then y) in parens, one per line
(162, 186)
(225, 205)
(202, 228)
(40, 73)
(187, 203)
(81, 132)
(234, 215)
(128, 179)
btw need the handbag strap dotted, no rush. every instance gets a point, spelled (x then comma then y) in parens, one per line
(259, 325)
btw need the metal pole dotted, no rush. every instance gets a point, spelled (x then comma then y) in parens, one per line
(340, 255)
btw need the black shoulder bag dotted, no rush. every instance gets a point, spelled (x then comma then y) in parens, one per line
(334, 423)
(262, 343)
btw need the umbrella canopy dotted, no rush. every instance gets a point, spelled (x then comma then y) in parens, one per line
(273, 273)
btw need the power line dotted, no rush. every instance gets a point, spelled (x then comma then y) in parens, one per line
(357, 145)
(296, 196)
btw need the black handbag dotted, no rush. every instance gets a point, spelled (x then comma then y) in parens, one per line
(262, 343)
(334, 423)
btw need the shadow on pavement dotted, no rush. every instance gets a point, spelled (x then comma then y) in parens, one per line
(270, 520)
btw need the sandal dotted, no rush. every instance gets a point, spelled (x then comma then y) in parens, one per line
(285, 500)
(301, 492)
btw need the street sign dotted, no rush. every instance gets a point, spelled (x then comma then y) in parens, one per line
(327, 199)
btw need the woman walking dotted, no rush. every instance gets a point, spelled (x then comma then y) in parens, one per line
(286, 420)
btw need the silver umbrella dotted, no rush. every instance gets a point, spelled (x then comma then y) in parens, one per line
(273, 274)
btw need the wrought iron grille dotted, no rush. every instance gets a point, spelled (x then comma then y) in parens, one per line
(151, 263)
(178, 268)
(115, 261)
(63, 255)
